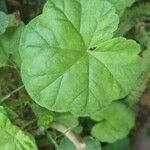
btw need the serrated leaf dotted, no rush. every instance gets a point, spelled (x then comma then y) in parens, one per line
(12, 137)
(91, 144)
(114, 123)
(70, 63)
(4, 22)
(119, 145)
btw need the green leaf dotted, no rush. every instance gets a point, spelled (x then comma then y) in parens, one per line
(80, 17)
(141, 83)
(12, 137)
(71, 63)
(4, 22)
(3, 58)
(9, 43)
(121, 5)
(10, 113)
(67, 119)
(114, 123)
(131, 17)
(3, 6)
(119, 145)
(45, 117)
(91, 144)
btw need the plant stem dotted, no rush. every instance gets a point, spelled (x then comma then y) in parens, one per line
(10, 94)
(28, 123)
(69, 134)
(52, 139)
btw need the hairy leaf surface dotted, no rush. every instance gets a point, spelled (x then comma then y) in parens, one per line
(12, 137)
(70, 61)
(115, 122)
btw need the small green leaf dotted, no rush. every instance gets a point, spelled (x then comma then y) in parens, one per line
(91, 144)
(43, 115)
(45, 119)
(71, 63)
(78, 129)
(67, 119)
(114, 123)
(4, 22)
(9, 44)
(12, 137)
(10, 113)
(119, 145)
(46, 116)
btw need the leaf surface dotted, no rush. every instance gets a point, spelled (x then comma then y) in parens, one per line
(9, 44)
(4, 22)
(12, 137)
(114, 123)
(91, 144)
(45, 117)
(70, 61)
(123, 144)
(67, 119)
(121, 5)
(3, 58)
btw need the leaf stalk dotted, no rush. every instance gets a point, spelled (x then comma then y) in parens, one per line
(69, 134)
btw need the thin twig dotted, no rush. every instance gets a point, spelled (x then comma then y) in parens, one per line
(10, 94)
(52, 139)
(69, 134)
(28, 124)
